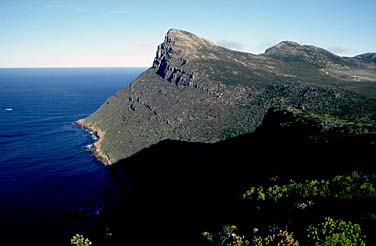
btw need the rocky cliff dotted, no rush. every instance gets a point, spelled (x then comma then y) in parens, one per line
(199, 92)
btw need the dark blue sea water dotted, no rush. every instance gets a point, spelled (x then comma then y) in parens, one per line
(46, 174)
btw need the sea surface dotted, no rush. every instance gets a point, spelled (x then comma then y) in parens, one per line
(49, 183)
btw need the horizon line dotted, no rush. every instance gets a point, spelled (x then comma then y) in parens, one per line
(40, 67)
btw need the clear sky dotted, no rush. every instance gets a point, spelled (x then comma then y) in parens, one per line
(71, 33)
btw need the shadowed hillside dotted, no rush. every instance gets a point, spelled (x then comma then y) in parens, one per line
(177, 189)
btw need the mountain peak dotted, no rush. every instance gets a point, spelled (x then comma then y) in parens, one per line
(179, 48)
(288, 43)
(177, 32)
(184, 40)
(285, 47)
(289, 51)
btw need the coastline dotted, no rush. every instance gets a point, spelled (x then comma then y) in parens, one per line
(96, 149)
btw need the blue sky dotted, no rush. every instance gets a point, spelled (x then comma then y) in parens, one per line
(74, 33)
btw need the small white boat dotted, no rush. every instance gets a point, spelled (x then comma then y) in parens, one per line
(8, 109)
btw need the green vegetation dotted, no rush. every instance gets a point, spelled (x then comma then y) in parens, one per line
(339, 187)
(330, 232)
(336, 232)
(313, 127)
(226, 237)
(80, 240)
(229, 236)
(325, 122)
(284, 238)
(233, 132)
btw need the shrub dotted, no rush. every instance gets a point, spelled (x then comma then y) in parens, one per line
(226, 237)
(339, 187)
(80, 240)
(336, 232)
(229, 237)
(282, 238)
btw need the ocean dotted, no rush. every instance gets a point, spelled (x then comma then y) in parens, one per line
(50, 185)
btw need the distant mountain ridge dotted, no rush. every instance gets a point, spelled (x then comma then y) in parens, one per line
(291, 51)
(368, 57)
(200, 92)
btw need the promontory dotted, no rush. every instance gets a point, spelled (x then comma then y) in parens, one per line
(198, 91)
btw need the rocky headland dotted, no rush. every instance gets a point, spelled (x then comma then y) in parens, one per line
(198, 91)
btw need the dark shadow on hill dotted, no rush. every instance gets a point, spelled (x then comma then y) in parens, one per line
(178, 189)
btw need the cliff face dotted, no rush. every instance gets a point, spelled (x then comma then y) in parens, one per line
(200, 92)
(177, 48)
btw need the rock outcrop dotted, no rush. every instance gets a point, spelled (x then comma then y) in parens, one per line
(175, 52)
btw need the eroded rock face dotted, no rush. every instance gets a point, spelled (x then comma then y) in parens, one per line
(169, 61)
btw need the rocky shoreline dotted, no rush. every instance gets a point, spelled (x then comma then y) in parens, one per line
(96, 147)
